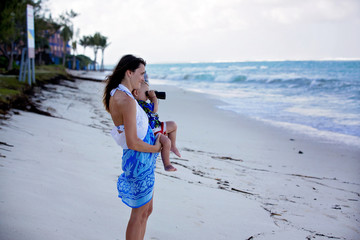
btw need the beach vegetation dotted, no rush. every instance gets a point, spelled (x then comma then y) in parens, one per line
(45, 27)
(13, 36)
(67, 29)
(49, 73)
(84, 42)
(103, 45)
(74, 46)
(10, 90)
(95, 42)
(16, 94)
(84, 61)
(13, 30)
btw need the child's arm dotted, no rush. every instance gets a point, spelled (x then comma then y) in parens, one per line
(154, 100)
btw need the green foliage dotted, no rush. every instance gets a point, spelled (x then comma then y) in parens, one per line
(65, 18)
(10, 82)
(4, 62)
(45, 73)
(84, 61)
(45, 27)
(11, 90)
(13, 25)
(97, 41)
(66, 33)
(103, 44)
(85, 42)
(67, 29)
(7, 94)
(12, 16)
(13, 31)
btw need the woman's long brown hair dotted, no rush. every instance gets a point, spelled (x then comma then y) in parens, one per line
(127, 62)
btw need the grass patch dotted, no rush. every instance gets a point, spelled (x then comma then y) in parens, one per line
(13, 92)
(11, 82)
(6, 94)
(48, 73)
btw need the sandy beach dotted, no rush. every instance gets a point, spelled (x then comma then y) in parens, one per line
(237, 178)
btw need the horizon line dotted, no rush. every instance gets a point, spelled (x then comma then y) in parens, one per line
(254, 60)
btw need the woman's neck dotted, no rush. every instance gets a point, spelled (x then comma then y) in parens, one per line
(127, 85)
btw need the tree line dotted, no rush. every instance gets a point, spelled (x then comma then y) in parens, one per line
(96, 42)
(13, 33)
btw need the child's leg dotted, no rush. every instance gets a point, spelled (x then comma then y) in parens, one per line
(171, 128)
(165, 153)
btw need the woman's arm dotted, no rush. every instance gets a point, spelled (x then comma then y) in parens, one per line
(126, 107)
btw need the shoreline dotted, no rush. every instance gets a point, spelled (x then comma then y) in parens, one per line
(312, 133)
(325, 136)
(95, 76)
(237, 178)
(297, 141)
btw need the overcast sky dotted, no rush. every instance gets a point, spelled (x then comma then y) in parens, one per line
(164, 31)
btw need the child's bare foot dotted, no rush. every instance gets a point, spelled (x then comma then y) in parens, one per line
(176, 151)
(170, 168)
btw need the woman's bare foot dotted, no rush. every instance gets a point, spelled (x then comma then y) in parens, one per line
(176, 151)
(170, 168)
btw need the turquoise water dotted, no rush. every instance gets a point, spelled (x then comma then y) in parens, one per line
(320, 97)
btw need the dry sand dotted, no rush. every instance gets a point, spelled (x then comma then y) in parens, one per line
(237, 179)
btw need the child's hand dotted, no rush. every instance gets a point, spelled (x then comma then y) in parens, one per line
(152, 95)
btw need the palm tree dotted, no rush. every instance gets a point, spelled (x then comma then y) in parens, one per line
(66, 34)
(85, 42)
(95, 44)
(74, 46)
(67, 31)
(103, 45)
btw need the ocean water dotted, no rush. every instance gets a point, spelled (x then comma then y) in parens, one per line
(319, 98)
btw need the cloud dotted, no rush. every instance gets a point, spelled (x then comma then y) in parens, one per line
(288, 12)
(210, 30)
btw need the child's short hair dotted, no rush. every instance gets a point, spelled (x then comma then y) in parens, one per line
(146, 78)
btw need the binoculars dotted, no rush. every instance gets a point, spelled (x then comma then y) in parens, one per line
(159, 95)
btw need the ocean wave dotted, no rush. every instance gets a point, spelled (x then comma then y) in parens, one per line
(231, 78)
(241, 68)
(239, 79)
(320, 95)
(318, 84)
(308, 83)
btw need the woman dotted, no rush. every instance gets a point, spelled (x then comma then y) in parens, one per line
(136, 183)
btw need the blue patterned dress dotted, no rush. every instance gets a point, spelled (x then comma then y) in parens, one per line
(136, 184)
